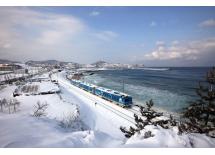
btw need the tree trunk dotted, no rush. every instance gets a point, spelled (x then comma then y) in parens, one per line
(9, 109)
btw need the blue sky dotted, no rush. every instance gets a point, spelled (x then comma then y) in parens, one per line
(155, 36)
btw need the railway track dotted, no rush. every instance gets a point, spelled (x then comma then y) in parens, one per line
(109, 108)
(130, 119)
(134, 111)
(119, 113)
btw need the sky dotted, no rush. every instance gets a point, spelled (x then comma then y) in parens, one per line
(154, 36)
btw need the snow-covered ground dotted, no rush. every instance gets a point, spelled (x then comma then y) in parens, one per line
(5, 72)
(11, 76)
(37, 88)
(96, 125)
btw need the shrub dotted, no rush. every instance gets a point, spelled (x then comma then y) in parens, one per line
(150, 116)
(69, 120)
(39, 109)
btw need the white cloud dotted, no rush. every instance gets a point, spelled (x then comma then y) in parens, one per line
(160, 43)
(153, 24)
(29, 33)
(50, 37)
(41, 27)
(106, 35)
(175, 42)
(208, 23)
(7, 45)
(26, 33)
(94, 13)
(192, 50)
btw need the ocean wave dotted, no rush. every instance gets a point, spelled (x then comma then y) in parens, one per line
(156, 69)
(164, 99)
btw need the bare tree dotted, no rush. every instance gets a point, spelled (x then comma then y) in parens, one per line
(3, 103)
(9, 103)
(39, 109)
(15, 103)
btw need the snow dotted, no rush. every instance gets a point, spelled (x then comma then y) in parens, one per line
(162, 138)
(5, 72)
(11, 76)
(37, 88)
(48, 87)
(92, 125)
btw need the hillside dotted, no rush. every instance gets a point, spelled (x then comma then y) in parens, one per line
(5, 61)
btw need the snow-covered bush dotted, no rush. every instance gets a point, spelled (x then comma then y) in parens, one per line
(40, 109)
(69, 120)
(148, 134)
(150, 116)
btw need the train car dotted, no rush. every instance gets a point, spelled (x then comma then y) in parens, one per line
(76, 82)
(119, 98)
(87, 87)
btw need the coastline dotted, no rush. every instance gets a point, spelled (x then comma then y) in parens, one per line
(170, 90)
(138, 102)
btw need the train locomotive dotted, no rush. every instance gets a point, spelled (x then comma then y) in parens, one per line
(118, 98)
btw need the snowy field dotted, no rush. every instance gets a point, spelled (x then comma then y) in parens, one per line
(5, 72)
(36, 88)
(11, 76)
(74, 120)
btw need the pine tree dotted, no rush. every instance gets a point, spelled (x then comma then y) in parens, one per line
(200, 114)
(148, 117)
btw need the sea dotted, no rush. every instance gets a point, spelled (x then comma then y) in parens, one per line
(172, 89)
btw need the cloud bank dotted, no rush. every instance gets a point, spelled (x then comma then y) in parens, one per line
(26, 33)
(183, 53)
(208, 23)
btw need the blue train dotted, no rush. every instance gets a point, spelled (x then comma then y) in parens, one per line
(119, 98)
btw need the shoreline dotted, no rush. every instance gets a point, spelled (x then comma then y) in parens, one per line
(142, 103)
